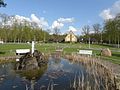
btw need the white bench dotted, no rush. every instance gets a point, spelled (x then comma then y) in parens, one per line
(22, 51)
(85, 52)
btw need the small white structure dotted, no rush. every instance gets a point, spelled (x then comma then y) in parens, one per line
(22, 51)
(1, 42)
(33, 45)
(85, 52)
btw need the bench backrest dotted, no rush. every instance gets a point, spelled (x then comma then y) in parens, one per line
(87, 52)
(22, 51)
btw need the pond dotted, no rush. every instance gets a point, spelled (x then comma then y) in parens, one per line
(58, 74)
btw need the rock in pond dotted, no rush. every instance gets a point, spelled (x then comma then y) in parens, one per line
(31, 61)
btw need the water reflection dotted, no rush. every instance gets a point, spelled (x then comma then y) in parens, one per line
(60, 74)
(30, 77)
(32, 74)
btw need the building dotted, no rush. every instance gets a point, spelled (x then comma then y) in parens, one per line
(71, 37)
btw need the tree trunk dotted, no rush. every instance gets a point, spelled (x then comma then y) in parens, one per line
(109, 40)
(118, 42)
(89, 42)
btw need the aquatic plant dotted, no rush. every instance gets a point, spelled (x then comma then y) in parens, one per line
(97, 76)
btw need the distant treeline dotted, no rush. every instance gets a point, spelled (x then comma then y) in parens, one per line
(109, 33)
(22, 34)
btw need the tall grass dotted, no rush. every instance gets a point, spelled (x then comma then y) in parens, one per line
(97, 76)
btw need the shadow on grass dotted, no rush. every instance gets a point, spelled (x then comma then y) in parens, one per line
(116, 55)
(109, 46)
(2, 52)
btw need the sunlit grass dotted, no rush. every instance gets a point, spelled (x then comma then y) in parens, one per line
(68, 48)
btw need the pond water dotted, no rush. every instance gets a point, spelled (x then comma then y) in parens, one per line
(59, 74)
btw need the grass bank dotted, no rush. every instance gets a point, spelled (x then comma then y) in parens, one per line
(68, 48)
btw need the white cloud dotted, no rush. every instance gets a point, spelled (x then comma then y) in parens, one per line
(66, 20)
(33, 21)
(92, 32)
(57, 25)
(16, 19)
(116, 8)
(106, 14)
(40, 21)
(71, 28)
(21, 19)
(111, 12)
(35, 18)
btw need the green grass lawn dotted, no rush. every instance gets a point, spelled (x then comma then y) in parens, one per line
(68, 48)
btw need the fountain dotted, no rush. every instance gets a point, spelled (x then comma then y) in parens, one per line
(31, 60)
(31, 67)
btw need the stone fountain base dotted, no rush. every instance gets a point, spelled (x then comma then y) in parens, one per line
(30, 62)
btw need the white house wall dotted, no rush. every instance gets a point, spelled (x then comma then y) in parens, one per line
(67, 39)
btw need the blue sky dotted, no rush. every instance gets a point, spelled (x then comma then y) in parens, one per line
(83, 11)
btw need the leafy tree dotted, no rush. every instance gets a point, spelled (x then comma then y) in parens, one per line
(2, 3)
(111, 31)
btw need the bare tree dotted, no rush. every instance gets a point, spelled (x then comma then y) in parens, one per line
(86, 30)
(56, 34)
(56, 31)
(97, 30)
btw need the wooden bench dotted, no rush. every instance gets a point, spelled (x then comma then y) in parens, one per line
(85, 52)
